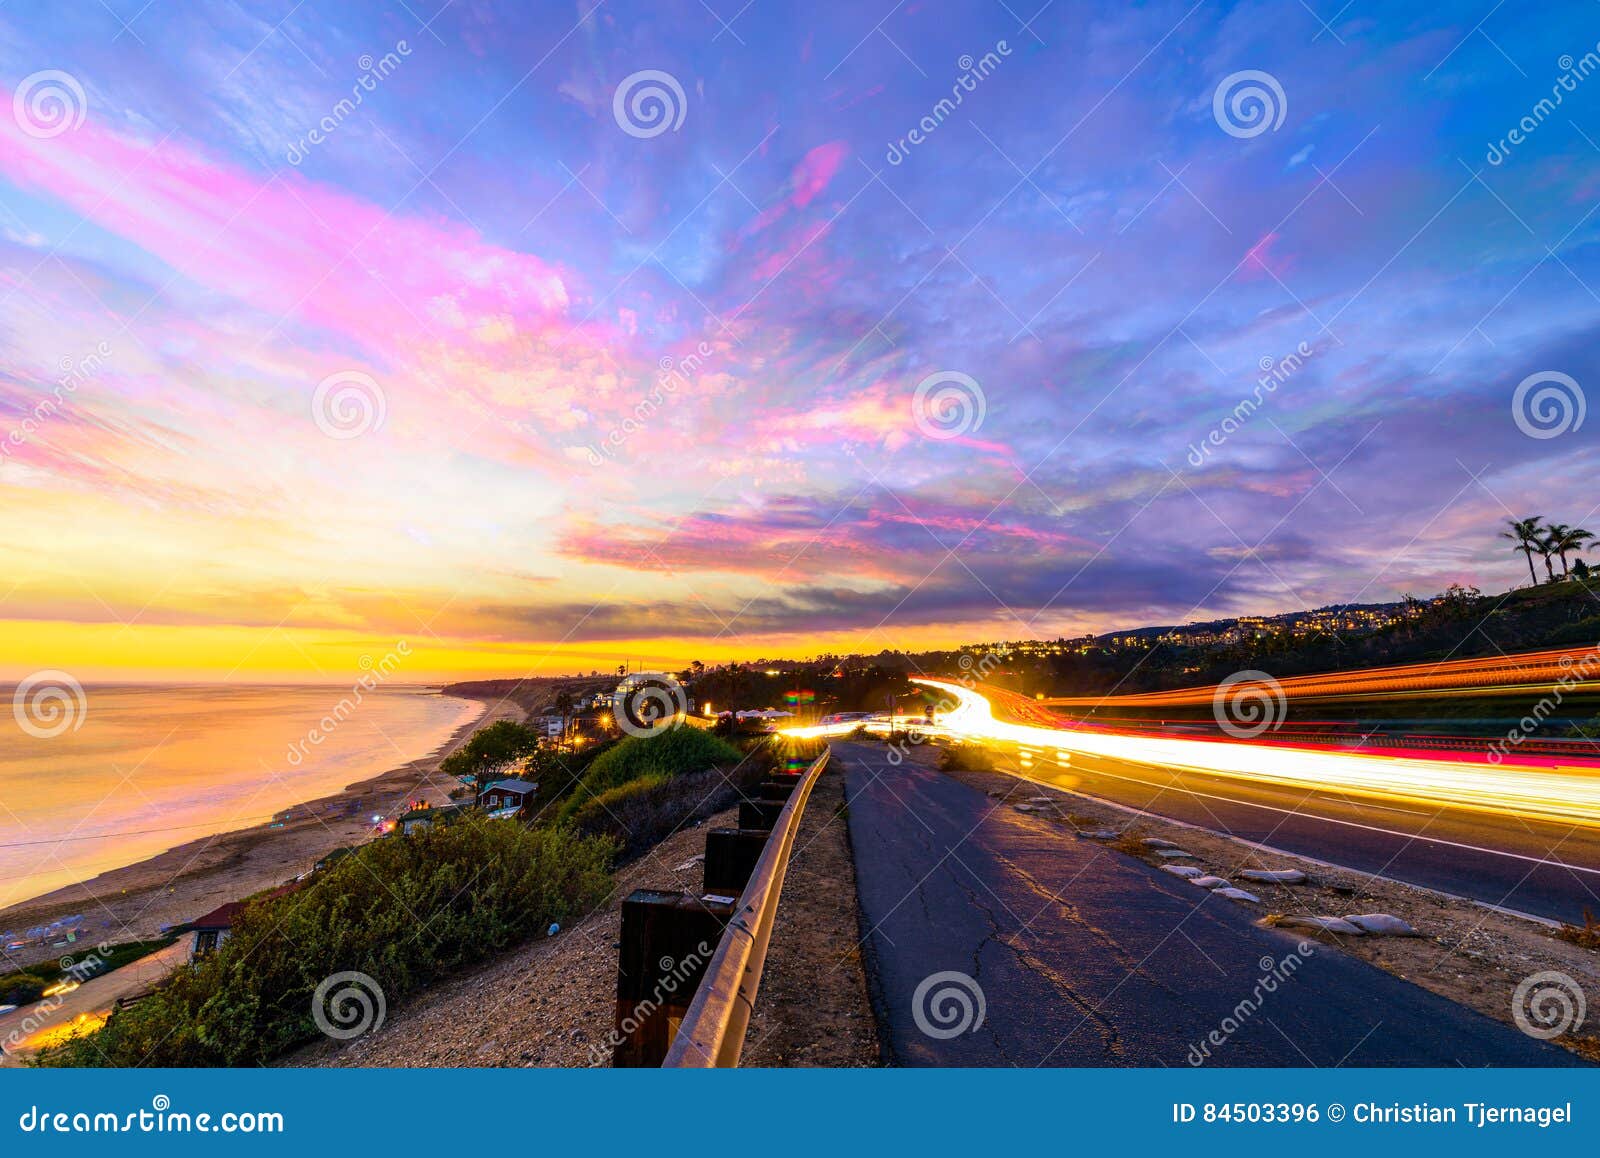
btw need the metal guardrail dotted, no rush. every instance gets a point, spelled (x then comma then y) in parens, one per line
(711, 1035)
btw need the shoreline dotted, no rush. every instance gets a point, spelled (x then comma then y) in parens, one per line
(183, 882)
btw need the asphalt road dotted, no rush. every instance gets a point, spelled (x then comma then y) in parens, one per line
(1085, 957)
(1550, 870)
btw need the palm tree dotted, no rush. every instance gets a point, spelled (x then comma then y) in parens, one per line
(1526, 535)
(564, 707)
(1545, 545)
(1561, 538)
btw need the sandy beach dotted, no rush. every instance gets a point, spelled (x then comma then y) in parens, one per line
(136, 901)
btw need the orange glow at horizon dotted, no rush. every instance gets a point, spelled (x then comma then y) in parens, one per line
(109, 652)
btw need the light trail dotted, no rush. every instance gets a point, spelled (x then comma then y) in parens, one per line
(1575, 670)
(1540, 792)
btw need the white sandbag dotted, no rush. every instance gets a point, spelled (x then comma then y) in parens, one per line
(1274, 876)
(1099, 834)
(1381, 925)
(1186, 871)
(1324, 924)
(1157, 842)
(1234, 894)
(1209, 882)
(1172, 853)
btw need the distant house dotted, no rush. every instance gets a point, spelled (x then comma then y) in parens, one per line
(211, 930)
(419, 819)
(508, 798)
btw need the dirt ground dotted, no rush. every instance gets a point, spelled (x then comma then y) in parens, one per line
(1466, 952)
(552, 1002)
(813, 1008)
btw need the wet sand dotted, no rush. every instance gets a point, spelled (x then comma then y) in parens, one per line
(136, 901)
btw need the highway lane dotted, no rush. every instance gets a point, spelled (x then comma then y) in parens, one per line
(1550, 869)
(1087, 957)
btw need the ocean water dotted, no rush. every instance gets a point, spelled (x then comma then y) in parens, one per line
(132, 771)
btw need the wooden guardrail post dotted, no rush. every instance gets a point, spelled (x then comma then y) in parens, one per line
(760, 813)
(668, 939)
(731, 856)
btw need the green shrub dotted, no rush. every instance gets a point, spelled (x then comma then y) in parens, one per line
(671, 753)
(404, 910)
(21, 989)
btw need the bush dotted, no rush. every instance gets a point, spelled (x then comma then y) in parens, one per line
(404, 910)
(21, 989)
(672, 753)
(644, 811)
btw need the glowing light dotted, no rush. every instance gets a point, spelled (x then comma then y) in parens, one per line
(1531, 790)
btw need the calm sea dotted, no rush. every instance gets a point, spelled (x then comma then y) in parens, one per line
(147, 768)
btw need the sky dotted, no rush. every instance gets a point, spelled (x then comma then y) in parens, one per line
(544, 337)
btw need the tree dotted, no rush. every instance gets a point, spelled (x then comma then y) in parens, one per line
(564, 707)
(490, 752)
(1561, 538)
(1526, 536)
